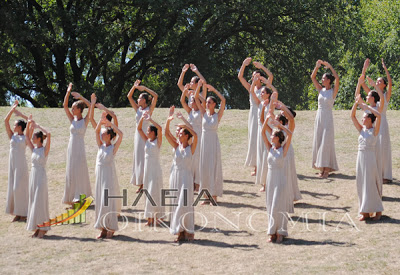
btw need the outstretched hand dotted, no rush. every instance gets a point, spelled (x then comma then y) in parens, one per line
(179, 115)
(247, 61)
(370, 81)
(171, 113)
(146, 115)
(76, 95)
(69, 89)
(193, 67)
(383, 64)
(257, 64)
(185, 68)
(93, 99)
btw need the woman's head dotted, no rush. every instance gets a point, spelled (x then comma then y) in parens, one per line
(108, 134)
(19, 126)
(381, 83)
(144, 100)
(368, 119)
(177, 131)
(193, 82)
(211, 103)
(282, 119)
(257, 73)
(265, 93)
(373, 97)
(327, 79)
(77, 107)
(184, 135)
(277, 137)
(152, 132)
(38, 138)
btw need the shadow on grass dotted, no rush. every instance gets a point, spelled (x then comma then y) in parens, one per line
(384, 219)
(321, 222)
(124, 238)
(291, 241)
(241, 194)
(241, 233)
(61, 238)
(390, 199)
(394, 182)
(220, 244)
(239, 182)
(307, 178)
(321, 196)
(240, 205)
(327, 208)
(329, 179)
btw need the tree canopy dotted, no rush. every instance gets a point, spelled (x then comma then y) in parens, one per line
(103, 46)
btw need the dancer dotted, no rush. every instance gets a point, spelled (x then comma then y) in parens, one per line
(324, 156)
(277, 190)
(77, 174)
(18, 179)
(369, 181)
(251, 159)
(384, 136)
(210, 149)
(144, 103)
(181, 181)
(38, 210)
(262, 153)
(110, 115)
(152, 178)
(106, 214)
(193, 81)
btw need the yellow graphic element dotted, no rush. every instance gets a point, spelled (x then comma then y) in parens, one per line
(75, 215)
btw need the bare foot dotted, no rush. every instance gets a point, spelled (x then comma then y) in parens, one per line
(279, 238)
(109, 234)
(139, 189)
(386, 181)
(271, 239)
(180, 238)
(363, 217)
(196, 187)
(22, 219)
(16, 218)
(150, 221)
(262, 189)
(189, 237)
(35, 234)
(102, 234)
(41, 233)
(377, 216)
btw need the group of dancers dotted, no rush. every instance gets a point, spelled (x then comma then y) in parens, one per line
(196, 164)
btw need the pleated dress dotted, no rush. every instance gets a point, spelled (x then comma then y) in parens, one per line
(369, 182)
(195, 120)
(18, 178)
(181, 180)
(252, 125)
(106, 212)
(210, 157)
(277, 193)
(77, 174)
(138, 150)
(38, 210)
(323, 151)
(153, 181)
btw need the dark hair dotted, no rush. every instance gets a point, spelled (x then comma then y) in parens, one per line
(268, 91)
(330, 77)
(214, 100)
(153, 129)
(80, 105)
(108, 117)
(372, 117)
(261, 73)
(283, 119)
(21, 123)
(187, 132)
(280, 135)
(110, 131)
(384, 81)
(40, 136)
(376, 96)
(196, 79)
(292, 111)
(146, 97)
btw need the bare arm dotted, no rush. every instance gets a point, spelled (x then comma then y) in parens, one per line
(264, 135)
(222, 104)
(353, 116)
(108, 111)
(168, 134)
(262, 115)
(153, 94)
(130, 95)
(65, 104)
(260, 66)
(97, 131)
(364, 70)
(7, 119)
(314, 76)
(140, 129)
(183, 100)
(196, 98)
(288, 136)
(288, 115)
(197, 72)
(337, 79)
(91, 110)
(381, 96)
(18, 113)
(182, 76)
(108, 123)
(389, 84)
(245, 63)
(29, 132)
(159, 130)
(48, 142)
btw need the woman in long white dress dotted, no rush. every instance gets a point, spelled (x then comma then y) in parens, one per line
(152, 179)
(261, 104)
(384, 136)
(181, 181)
(277, 189)
(18, 179)
(145, 102)
(106, 212)
(38, 210)
(369, 181)
(251, 158)
(323, 152)
(210, 149)
(77, 174)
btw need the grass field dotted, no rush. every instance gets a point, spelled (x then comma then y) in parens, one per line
(325, 235)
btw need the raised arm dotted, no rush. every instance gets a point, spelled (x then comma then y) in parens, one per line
(108, 123)
(183, 100)
(108, 111)
(380, 93)
(48, 142)
(288, 136)
(262, 115)
(153, 94)
(314, 76)
(353, 114)
(140, 128)
(29, 132)
(7, 119)
(182, 76)
(197, 99)
(197, 72)
(65, 104)
(91, 110)
(364, 70)
(168, 134)
(288, 115)
(389, 84)
(336, 76)
(194, 136)
(159, 131)
(223, 101)
(260, 66)
(245, 63)
(18, 113)
(264, 135)
(97, 133)
(130, 95)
